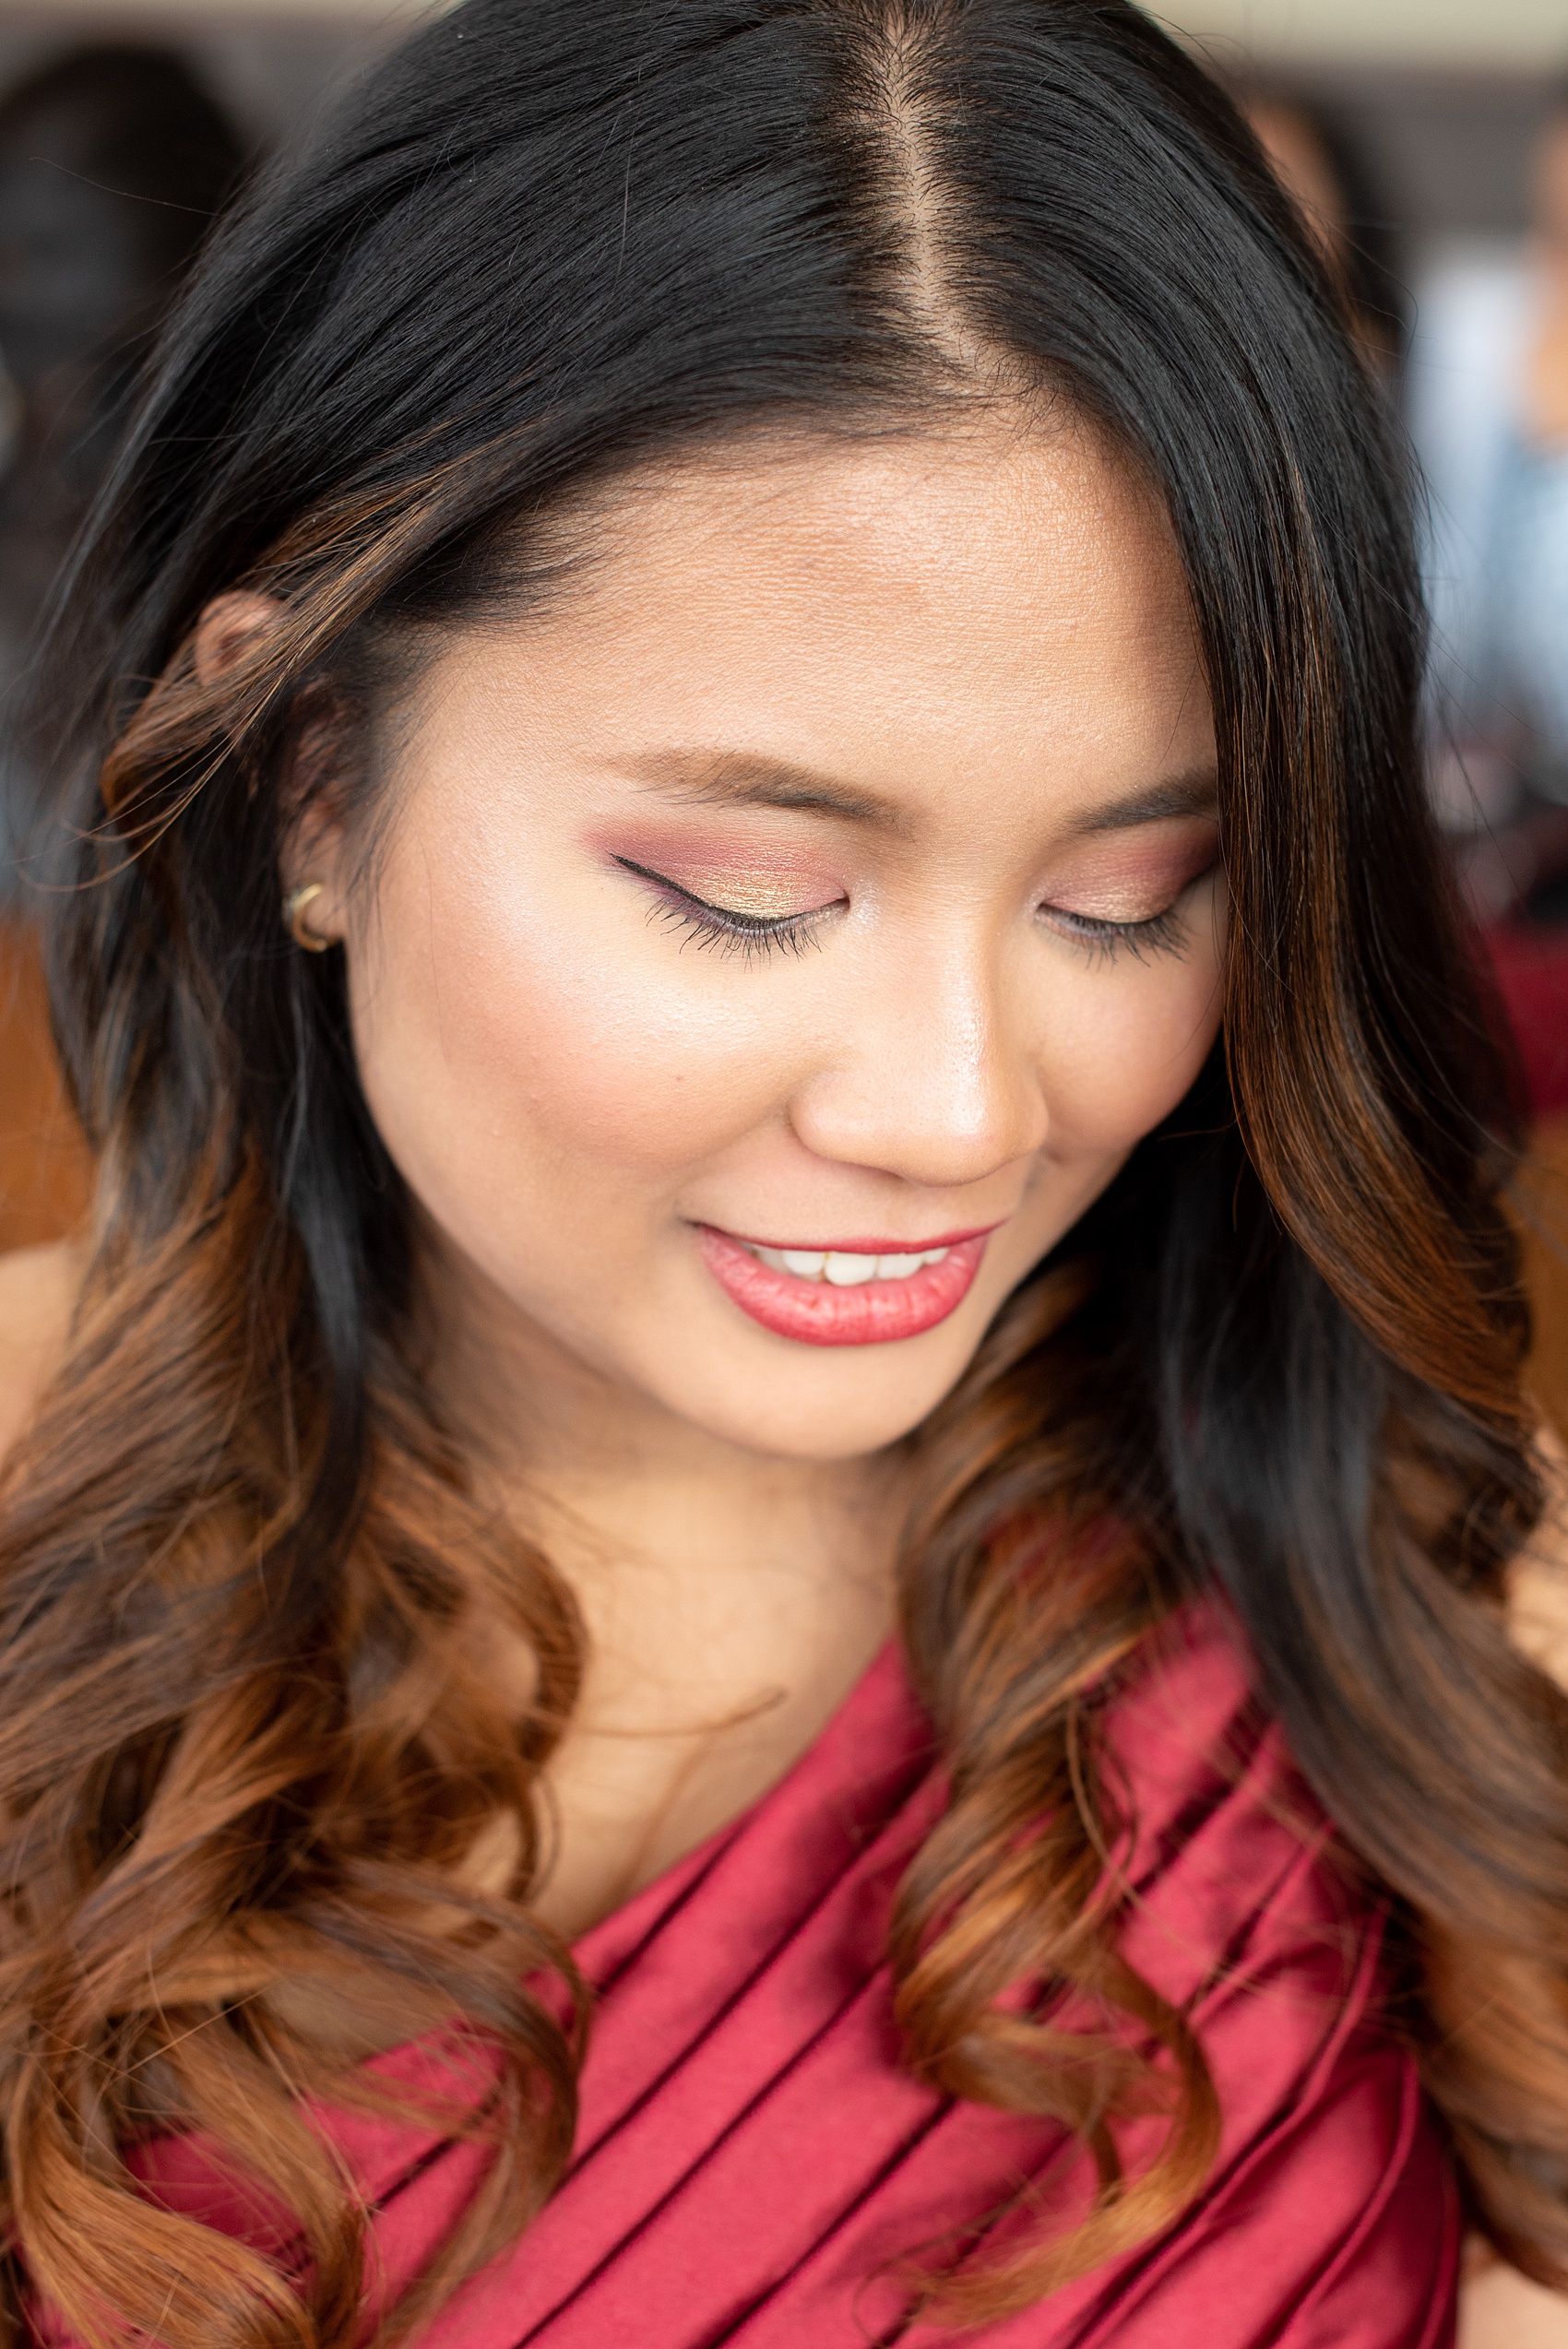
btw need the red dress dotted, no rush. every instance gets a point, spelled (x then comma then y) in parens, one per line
(753, 2165)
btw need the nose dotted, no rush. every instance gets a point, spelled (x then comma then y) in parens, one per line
(925, 1077)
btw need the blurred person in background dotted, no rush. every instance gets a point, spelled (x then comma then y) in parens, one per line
(1320, 168)
(113, 160)
(1489, 413)
(1487, 383)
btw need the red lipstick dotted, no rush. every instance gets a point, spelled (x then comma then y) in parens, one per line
(869, 1312)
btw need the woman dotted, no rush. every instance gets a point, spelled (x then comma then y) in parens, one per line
(754, 1585)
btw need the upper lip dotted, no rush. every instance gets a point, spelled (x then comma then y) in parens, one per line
(864, 1247)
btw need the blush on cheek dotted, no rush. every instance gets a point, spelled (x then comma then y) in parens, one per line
(1128, 1060)
(516, 1037)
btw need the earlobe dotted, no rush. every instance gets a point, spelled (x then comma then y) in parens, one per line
(312, 909)
(296, 916)
(311, 846)
(229, 628)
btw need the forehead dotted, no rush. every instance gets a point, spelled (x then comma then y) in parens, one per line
(985, 529)
(904, 610)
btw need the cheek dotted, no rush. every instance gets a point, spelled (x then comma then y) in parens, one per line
(503, 1025)
(1126, 1052)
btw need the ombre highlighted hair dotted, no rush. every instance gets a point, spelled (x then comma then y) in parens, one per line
(242, 1733)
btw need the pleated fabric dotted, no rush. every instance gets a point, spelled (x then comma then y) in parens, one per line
(755, 2168)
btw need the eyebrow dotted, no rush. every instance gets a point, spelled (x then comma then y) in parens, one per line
(742, 779)
(1194, 793)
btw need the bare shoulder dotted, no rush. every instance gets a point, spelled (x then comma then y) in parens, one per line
(1538, 1582)
(38, 1289)
(1498, 2308)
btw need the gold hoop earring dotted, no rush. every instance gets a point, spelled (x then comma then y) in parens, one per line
(294, 920)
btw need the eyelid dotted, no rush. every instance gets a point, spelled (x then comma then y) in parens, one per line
(1164, 877)
(759, 922)
(726, 927)
(1098, 929)
(1161, 932)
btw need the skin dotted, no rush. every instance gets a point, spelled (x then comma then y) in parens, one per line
(1500, 2309)
(903, 686)
(961, 653)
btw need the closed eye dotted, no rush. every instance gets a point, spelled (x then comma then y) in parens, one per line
(1162, 933)
(726, 928)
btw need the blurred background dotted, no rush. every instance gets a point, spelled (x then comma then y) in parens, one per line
(1425, 140)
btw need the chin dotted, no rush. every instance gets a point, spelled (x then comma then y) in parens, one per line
(840, 1406)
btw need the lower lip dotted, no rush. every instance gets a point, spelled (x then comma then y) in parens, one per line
(816, 1313)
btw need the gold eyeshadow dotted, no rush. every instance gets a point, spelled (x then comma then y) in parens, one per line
(727, 895)
(765, 896)
(769, 884)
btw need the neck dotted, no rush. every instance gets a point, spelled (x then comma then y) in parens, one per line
(676, 1543)
(730, 1599)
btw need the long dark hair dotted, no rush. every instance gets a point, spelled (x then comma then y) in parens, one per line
(240, 1731)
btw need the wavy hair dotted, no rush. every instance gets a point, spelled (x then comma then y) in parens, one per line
(241, 1731)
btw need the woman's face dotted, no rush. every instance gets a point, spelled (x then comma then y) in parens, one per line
(827, 877)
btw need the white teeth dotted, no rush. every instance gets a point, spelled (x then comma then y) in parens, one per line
(843, 1269)
(849, 1272)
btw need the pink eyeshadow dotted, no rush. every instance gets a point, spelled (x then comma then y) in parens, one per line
(1129, 882)
(770, 882)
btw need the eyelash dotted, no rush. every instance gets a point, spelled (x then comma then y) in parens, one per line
(1162, 933)
(754, 937)
(750, 936)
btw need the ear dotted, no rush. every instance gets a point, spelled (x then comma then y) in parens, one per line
(312, 854)
(311, 849)
(227, 629)
(315, 788)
